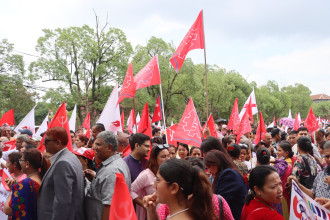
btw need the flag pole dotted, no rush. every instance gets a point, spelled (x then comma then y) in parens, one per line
(162, 106)
(207, 98)
(162, 103)
(134, 119)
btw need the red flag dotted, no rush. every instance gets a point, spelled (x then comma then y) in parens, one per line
(170, 134)
(121, 204)
(157, 116)
(122, 118)
(87, 125)
(60, 120)
(234, 120)
(211, 125)
(148, 75)
(194, 39)
(5, 175)
(274, 121)
(8, 118)
(249, 110)
(87, 122)
(244, 126)
(296, 123)
(145, 125)
(261, 130)
(9, 145)
(311, 122)
(128, 89)
(131, 122)
(189, 129)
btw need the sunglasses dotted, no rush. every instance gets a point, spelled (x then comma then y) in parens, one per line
(162, 146)
(49, 140)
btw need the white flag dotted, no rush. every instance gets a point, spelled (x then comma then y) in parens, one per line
(290, 115)
(110, 116)
(43, 126)
(299, 118)
(253, 102)
(28, 122)
(72, 121)
(138, 118)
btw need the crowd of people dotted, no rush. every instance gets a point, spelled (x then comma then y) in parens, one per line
(221, 179)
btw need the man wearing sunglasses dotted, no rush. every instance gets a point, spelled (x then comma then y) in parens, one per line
(61, 193)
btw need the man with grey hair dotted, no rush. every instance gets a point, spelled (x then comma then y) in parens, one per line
(99, 196)
(19, 141)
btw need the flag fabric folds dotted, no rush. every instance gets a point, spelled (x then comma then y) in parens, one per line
(8, 118)
(253, 104)
(131, 124)
(244, 127)
(121, 205)
(110, 116)
(211, 125)
(170, 134)
(145, 125)
(148, 75)
(261, 130)
(43, 126)
(311, 122)
(128, 89)
(122, 118)
(72, 121)
(234, 120)
(194, 39)
(60, 120)
(5, 175)
(28, 122)
(157, 116)
(87, 125)
(189, 129)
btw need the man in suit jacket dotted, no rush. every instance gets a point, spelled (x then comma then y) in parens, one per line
(61, 193)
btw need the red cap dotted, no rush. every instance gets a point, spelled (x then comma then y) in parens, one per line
(85, 152)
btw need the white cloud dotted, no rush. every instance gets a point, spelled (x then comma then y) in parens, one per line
(310, 67)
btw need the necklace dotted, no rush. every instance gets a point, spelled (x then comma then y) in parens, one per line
(170, 216)
(265, 204)
(32, 174)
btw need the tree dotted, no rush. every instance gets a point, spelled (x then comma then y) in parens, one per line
(83, 61)
(300, 98)
(322, 109)
(13, 93)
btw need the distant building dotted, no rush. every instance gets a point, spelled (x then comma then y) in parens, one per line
(320, 98)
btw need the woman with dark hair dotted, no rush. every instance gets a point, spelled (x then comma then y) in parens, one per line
(185, 189)
(183, 150)
(81, 140)
(22, 204)
(195, 152)
(305, 167)
(143, 184)
(212, 143)
(228, 182)
(220, 205)
(172, 150)
(284, 170)
(284, 152)
(265, 189)
(14, 168)
(234, 151)
(226, 141)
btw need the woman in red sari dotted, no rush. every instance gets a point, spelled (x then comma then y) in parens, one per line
(265, 189)
(22, 204)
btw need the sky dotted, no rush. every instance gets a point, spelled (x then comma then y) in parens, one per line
(285, 41)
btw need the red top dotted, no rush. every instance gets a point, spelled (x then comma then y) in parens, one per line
(259, 209)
